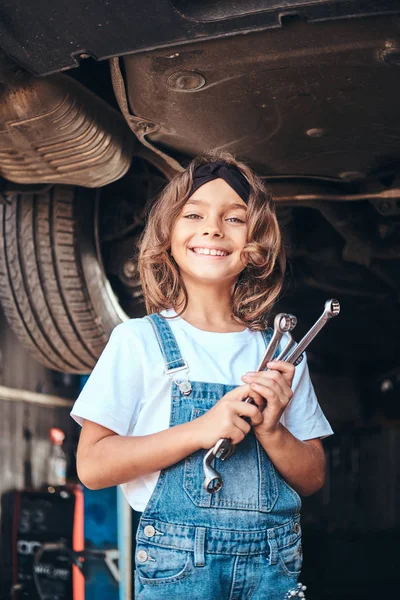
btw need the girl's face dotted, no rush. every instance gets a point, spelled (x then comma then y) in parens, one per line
(210, 234)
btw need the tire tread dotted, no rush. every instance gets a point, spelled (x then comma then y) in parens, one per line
(42, 285)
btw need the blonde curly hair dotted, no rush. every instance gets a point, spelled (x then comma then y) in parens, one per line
(258, 285)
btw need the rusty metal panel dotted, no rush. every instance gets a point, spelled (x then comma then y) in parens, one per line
(304, 100)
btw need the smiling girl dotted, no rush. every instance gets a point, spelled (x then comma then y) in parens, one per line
(167, 387)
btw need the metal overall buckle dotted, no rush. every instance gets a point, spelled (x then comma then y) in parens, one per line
(185, 387)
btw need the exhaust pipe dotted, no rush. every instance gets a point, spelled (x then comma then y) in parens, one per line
(54, 130)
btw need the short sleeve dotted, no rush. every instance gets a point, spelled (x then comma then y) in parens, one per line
(304, 417)
(112, 394)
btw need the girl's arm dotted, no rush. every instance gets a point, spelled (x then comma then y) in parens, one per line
(301, 464)
(105, 458)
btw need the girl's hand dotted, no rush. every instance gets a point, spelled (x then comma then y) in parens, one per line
(224, 419)
(274, 386)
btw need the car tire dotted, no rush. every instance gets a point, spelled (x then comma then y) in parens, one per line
(53, 289)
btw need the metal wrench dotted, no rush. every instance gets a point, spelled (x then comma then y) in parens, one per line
(223, 449)
(213, 480)
(331, 309)
(283, 323)
(290, 343)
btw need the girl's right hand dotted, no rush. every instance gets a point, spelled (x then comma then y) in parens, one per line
(224, 419)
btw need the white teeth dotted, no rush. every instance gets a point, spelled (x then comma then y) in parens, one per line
(209, 251)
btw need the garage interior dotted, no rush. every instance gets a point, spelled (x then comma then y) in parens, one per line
(309, 97)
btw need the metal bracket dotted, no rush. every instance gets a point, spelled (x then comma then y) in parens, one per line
(140, 127)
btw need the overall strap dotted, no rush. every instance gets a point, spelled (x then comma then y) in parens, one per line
(267, 335)
(174, 363)
(168, 345)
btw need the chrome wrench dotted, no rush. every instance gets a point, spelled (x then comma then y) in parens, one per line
(285, 352)
(213, 481)
(223, 449)
(283, 323)
(331, 309)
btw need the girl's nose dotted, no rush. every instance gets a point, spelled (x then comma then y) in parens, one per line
(213, 231)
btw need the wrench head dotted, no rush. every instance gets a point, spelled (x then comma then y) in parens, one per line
(332, 308)
(282, 322)
(293, 322)
(213, 485)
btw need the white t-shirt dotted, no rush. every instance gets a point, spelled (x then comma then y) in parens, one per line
(129, 392)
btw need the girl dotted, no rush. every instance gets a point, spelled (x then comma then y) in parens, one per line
(169, 386)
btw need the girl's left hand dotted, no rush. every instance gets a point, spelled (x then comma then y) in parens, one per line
(274, 386)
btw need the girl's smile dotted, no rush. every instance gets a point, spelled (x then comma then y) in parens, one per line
(210, 233)
(210, 252)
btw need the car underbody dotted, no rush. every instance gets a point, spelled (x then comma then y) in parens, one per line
(305, 92)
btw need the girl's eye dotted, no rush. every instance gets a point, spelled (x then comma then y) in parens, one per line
(192, 216)
(235, 219)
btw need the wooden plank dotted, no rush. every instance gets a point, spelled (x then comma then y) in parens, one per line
(17, 395)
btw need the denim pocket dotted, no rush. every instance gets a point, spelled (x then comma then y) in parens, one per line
(157, 566)
(291, 558)
(249, 478)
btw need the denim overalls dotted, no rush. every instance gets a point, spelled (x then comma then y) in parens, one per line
(244, 542)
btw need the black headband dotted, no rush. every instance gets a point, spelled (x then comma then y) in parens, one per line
(220, 169)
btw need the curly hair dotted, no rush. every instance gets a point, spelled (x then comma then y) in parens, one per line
(258, 285)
